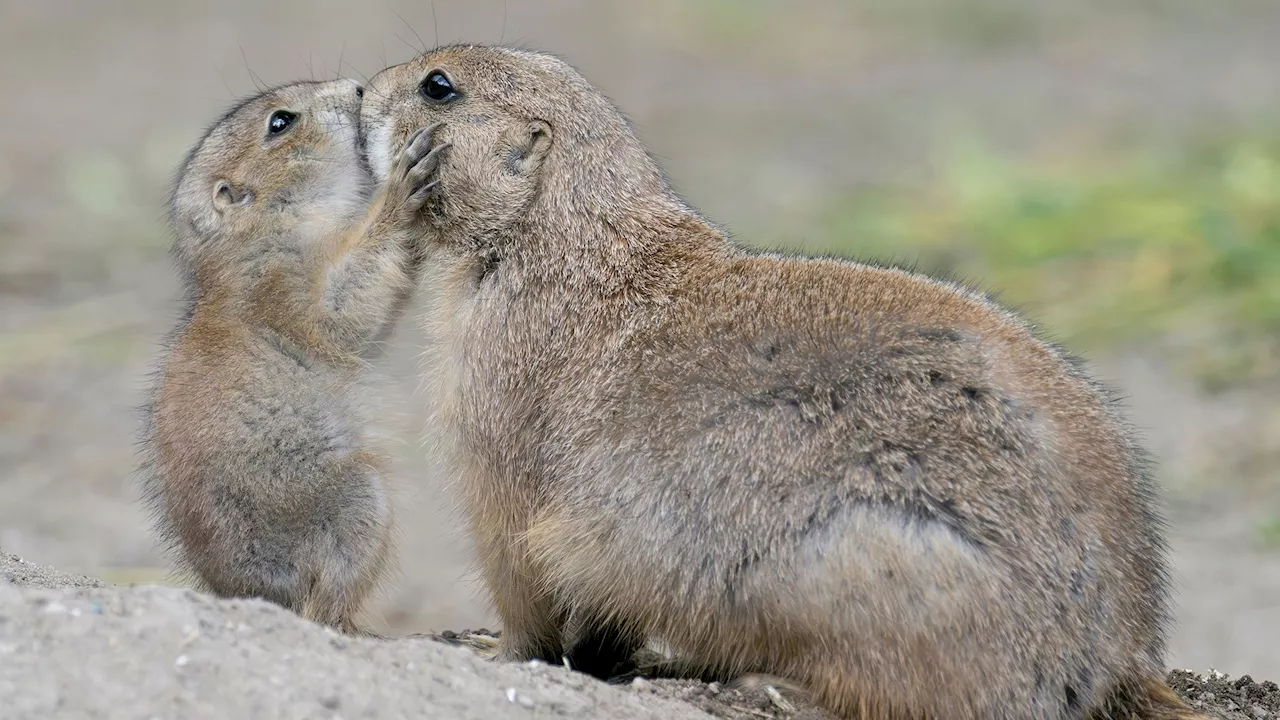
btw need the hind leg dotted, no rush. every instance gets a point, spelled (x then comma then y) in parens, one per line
(344, 578)
(882, 618)
(349, 556)
(242, 551)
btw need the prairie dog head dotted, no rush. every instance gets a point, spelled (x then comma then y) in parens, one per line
(285, 161)
(498, 140)
(541, 167)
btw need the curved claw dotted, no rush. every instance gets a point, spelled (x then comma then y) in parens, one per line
(427, 164)
(418, 145)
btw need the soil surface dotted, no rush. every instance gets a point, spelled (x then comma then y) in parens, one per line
(74, 647)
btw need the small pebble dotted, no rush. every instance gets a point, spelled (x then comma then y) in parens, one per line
(1259, 712)
(641, 684)
(524, 701)
(182, 660)
(511, 694)
(330, 702)
(55, 607)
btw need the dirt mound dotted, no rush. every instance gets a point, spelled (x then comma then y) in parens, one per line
(73, 647)
(1240, 697)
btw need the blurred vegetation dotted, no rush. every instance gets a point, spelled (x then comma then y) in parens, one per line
(1168, 242)
(1107, 249)
(1269, 533)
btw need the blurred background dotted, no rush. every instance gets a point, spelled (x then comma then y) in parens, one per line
(1112, 167)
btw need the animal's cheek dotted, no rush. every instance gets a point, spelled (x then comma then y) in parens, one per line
(466, 192)
(381, 145)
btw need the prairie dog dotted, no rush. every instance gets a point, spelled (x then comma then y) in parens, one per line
(262, 466)
(877, 484)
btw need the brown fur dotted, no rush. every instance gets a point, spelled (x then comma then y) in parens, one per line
(261, 463)
(877, 484)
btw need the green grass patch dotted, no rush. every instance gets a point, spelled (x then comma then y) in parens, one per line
(1104, 248)
(1269, 533)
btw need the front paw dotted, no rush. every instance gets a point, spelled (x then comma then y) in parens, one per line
(415, 178)
(513, 647)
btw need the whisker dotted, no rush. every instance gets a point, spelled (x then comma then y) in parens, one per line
(306, 66)
(368, 89)
(406, 42)
(435, 22)
(223, 78)
(415, 32)
(257, 81)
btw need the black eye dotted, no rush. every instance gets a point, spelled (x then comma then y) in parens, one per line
(280, 121)
(437, 87)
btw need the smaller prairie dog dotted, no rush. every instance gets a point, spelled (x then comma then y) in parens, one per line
(260, 462)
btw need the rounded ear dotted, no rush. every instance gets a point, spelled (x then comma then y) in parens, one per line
(531, 147)
(226, 197)
(539, 140)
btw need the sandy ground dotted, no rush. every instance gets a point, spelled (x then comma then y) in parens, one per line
(755, 115)
(72, 647)
(75, 650)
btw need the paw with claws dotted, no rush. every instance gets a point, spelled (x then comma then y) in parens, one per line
(414, 178)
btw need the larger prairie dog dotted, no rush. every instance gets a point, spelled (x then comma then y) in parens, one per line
(263, 467)
(875, 483)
